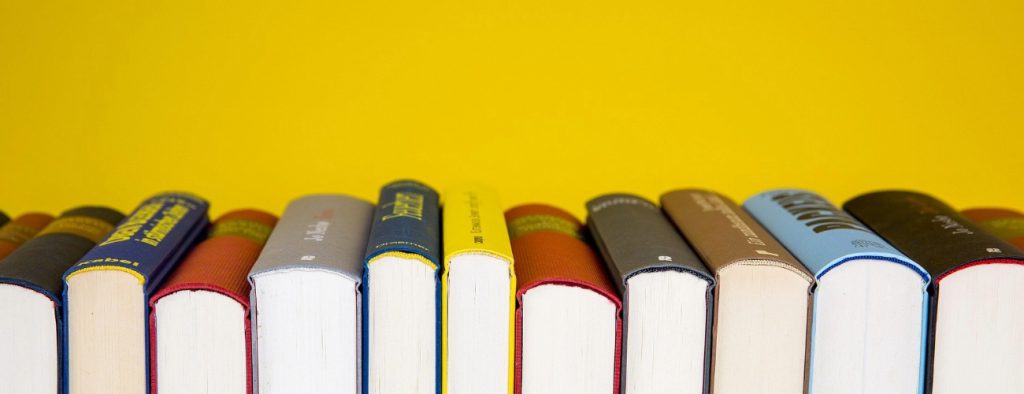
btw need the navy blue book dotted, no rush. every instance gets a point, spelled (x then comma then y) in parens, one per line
(401, 292)
(106, 292)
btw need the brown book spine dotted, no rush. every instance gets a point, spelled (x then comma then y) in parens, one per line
(722, 233)
(21, 229)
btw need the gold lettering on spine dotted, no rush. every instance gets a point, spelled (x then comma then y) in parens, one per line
(406, 205)
(127, 229)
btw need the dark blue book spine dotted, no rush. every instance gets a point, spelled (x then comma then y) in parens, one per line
(407, 220)
(148, 244)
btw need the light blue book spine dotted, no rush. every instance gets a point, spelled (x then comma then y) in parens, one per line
(823, 236)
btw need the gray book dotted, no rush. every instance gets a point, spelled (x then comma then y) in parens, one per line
(667, 293)
(319, 232)
(306, 284)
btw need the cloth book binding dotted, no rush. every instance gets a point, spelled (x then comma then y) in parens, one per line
(39, 264)
(16, 232)
(825, 237)
(550, 248)
(219, 264)
(147, 244)
(406, 223)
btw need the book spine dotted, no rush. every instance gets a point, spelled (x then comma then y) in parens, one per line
(634, 236)
(147, 244)
(406, 223)
(818, 233)
(473, 223)
(323, 231)
(150, 240)
(15, 233)
(929, 231)
(39, 263)
(1003, 223)
(407, 220)
(722, 233)
(550, 247)
(220, 264)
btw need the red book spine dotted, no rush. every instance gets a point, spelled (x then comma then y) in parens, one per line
(548, 246)
(220, 264)
(1003, 223)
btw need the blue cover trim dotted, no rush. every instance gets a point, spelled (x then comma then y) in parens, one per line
(820, 234)
(407, 219)
(149, 242)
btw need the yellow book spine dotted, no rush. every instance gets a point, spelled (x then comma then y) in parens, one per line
(474, 222)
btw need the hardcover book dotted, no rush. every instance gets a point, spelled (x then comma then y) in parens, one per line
(31, 349)
(199, 324)
(478, 290)
(402, 302)
(762, 297)
(21, 229)
(667, 293)
(568, 319)
(106, 294)
(978, 290)
(870, 302)
(305, 298)
(1001, 222)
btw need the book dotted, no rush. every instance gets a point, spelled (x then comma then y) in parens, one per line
(15, 233)
(199, 319)
(1004, 223)
(305, 298)
(667, 294)
(4, 218)
(870, 302)
(477, 294)
(568, 316)
(978, 289)
(106, 294)
(402, 293)
(762, 296)
(31, 350)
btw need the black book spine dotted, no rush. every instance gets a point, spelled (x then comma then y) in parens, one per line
(928, 231)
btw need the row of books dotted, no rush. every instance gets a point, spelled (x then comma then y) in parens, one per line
(895, 292)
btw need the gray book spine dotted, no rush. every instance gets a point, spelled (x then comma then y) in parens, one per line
(326, 232)
(635, 237)
(319, 232)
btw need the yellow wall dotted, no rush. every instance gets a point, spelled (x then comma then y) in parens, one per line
(252, 103)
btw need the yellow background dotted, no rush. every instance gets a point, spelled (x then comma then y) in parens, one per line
(252, 103)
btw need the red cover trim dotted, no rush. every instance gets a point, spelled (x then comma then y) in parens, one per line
(549, 249)
(976, 263)
(518, 384)
(221, 265)
(152, 333)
